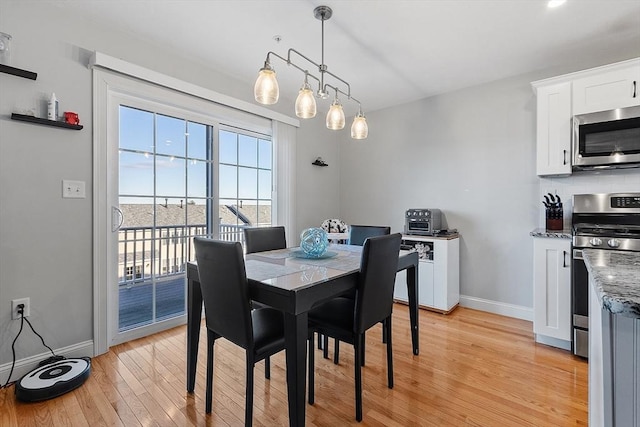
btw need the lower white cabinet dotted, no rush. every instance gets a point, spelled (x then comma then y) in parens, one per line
(438, 278)
(552, 291)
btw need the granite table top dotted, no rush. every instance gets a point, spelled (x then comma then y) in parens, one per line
(616, 277)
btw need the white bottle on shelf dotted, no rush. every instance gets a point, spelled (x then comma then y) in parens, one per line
(52, 108)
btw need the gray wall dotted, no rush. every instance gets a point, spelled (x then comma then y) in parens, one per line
(469, 153)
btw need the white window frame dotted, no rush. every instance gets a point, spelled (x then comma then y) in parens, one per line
(128, 79)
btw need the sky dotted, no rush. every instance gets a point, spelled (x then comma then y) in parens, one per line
(181, 160)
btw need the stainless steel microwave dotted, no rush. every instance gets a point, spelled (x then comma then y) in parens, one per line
(607, 139)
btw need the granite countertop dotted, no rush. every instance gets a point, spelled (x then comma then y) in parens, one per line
(554, 234)
(616, 277)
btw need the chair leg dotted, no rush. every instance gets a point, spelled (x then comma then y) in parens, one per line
(389, 354)
(384, 331)
(363, 348)
(319, 341)
(310, 371)
(248, 405)
(209, 388)
(358, 375)
(267, 367)
(336, 351)
(325, 345)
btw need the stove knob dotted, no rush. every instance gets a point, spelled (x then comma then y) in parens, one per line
(595, 241)
(613, 243)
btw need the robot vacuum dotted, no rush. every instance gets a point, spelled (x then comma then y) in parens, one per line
(53, 379)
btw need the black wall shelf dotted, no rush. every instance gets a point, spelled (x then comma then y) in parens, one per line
(18, 72)
(39, 121)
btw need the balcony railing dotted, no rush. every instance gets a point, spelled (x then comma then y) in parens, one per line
(159, 256)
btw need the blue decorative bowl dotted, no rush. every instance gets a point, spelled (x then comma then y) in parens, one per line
(314, 242)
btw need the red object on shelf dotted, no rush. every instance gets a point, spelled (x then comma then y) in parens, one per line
(71, 118)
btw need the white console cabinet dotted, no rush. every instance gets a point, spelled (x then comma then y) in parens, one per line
(552, 291)
(560, 98)
(438, 278)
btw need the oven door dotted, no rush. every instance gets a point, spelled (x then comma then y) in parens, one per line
(580, 304)
(607, 138)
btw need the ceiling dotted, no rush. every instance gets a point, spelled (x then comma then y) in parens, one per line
(390, 51)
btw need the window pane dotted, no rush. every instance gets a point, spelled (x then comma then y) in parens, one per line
(247, 183)
(264, 154)
(228, 182)
(196, 178)
(170, 138)
(136, 174)
(249, 211)
(248, 151)
(264, 212)
(197, 140)
(170, 176)
(228, 147)
(136, 129)
(264, 184)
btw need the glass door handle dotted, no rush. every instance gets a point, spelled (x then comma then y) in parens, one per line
(117, 218)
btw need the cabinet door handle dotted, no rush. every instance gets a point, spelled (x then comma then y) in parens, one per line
(564, 259)
(564, 157)
(634, 88)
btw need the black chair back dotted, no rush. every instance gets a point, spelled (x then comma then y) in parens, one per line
(225, 290)
(258, 239)
(378, 267)
(359, 233)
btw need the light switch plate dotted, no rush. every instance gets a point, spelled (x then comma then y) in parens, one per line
(73, 189)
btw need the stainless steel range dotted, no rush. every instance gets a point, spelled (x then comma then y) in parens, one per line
(607, 222)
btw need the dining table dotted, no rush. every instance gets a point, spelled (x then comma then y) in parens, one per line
(288, 280)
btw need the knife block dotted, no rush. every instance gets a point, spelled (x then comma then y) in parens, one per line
(554, 219)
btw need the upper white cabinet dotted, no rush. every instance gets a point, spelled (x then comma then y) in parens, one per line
(560, 98)
(554, 129)
(617, 88)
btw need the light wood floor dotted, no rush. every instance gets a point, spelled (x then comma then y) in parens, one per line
(474, 369)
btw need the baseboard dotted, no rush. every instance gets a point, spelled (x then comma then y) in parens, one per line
(504, 309)
(553, 342)
(23, 366)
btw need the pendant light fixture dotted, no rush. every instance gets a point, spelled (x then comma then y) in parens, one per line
(266, 89)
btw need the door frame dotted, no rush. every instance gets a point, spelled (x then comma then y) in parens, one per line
(108, 87)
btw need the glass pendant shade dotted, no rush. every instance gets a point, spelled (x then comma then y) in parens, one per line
(335, 116)
(305, 103)
(266, 90)
(359, 128)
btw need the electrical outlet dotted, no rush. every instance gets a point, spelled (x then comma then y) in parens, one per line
(15, 315)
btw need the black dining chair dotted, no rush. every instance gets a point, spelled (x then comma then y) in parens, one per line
(359, 233)
(357, 236)
(228, 314)
(260, 239)
(348, 319)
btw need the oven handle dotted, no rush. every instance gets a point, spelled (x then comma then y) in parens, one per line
(577, 254)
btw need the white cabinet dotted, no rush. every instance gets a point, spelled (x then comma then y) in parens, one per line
(552, 291)
(553, 132)
(617, 88)
(438, 278)
(560, 98)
